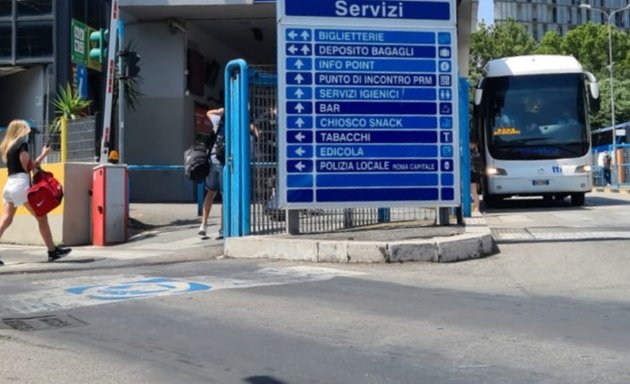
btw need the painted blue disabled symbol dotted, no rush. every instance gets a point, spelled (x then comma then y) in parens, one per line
(136, 289)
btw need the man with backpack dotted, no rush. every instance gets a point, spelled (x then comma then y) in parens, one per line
(214, 180)
(607, 168)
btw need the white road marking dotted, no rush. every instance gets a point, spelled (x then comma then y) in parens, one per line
(531, 235)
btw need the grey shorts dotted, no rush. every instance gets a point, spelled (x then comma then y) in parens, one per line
(214, 180)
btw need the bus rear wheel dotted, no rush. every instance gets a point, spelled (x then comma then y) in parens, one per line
(577, 199)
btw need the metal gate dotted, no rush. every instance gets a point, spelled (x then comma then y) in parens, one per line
(266, 217)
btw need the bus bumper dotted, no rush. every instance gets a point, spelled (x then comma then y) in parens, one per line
(539, 185)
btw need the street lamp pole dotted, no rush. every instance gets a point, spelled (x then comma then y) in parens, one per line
(610, 60)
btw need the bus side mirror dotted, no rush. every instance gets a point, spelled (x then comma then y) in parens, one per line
(594, 100)
(593, 89)
(593, 92)
(478, 96)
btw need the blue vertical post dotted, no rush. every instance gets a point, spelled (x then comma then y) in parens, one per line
(200, 197)
(384, 215)
(236, 171)
(464, 141)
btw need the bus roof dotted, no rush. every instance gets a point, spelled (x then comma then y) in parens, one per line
(532, 65)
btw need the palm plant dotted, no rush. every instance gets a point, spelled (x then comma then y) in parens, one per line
(69, 105)
(131, 85)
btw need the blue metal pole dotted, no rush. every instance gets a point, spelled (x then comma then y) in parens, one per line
(464, 142)
(244, 153)
(236, 172)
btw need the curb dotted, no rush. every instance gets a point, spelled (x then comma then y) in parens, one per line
(613, 189)
(143, 252)
(80, 265)
(476, 242)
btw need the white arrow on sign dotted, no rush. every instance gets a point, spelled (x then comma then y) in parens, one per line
(299, 93)
(299, 79)
(299, 64)
(299, 122)
(299, 107)
(300, 167)
(299, 137)
(292, 35)
(306, 50)
(293, 49)
(306, 35)
(300, 151)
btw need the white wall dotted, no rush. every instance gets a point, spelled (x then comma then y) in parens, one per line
(22, 96)
(162, 127)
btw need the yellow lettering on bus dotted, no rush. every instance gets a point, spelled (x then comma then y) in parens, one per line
(506, 131)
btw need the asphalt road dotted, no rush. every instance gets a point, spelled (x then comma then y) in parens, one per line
(536, 313)
(552, 307)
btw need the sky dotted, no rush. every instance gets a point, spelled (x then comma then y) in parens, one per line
(486, 11)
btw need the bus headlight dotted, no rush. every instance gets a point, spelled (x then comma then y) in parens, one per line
(583, 169)
(496, 172)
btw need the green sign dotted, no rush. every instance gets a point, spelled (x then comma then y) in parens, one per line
(79, 42)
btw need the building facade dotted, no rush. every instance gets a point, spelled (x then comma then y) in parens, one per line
(184, 46)
(542, 16)
(35, 49)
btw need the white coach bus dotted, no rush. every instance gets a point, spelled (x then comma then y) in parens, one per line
(531, 125)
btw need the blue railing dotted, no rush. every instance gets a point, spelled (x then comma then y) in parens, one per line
(180, 168)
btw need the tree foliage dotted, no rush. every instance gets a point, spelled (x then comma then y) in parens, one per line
(495, 41)
(588, 43)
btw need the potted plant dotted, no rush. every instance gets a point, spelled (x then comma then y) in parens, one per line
(69, 105)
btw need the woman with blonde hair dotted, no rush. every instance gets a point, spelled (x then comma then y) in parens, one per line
(14, 152)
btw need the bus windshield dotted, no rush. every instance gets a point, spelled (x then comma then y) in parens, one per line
(536, 117)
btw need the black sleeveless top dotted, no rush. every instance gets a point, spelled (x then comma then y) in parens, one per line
(13, 157)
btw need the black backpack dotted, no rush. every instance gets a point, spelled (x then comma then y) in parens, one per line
(196, 165)
(219, 143)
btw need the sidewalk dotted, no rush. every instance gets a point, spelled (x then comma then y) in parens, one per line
(158, 234)
(613, 188)
(167, 233)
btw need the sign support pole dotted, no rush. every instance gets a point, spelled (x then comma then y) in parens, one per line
(121, 96)
(109, 83)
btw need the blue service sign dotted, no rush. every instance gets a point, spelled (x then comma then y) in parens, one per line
(366, 9)
(369, 111)
(81, 81)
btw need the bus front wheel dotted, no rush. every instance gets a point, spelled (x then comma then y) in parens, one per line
(491, 200)
(577, 199)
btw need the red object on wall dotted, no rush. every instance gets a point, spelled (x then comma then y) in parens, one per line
(110, 207)
(203, 124)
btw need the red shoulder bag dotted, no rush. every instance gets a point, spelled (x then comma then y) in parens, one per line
(45, 194)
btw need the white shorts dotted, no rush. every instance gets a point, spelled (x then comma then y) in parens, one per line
(16, 188)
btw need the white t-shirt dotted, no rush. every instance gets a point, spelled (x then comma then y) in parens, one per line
(215, 119)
